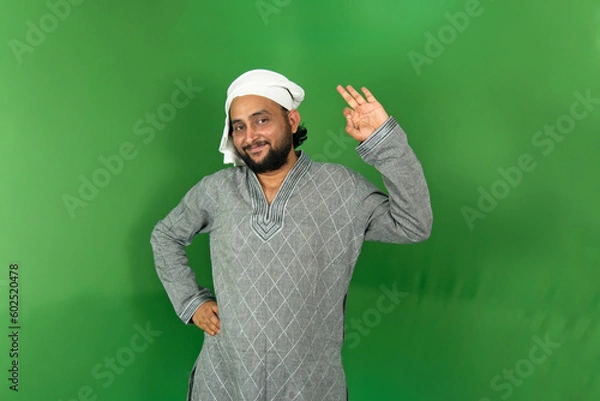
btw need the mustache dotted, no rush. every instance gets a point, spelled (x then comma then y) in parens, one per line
(255, 144)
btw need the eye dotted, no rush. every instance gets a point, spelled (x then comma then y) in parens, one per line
(262, 120)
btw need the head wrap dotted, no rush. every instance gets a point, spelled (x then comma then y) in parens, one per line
(269, 84)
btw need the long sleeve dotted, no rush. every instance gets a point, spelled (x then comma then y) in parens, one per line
(170, 237)
(403, 216)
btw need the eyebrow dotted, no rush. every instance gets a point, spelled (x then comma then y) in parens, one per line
(251, 115)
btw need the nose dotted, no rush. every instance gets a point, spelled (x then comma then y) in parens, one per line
(251, 134)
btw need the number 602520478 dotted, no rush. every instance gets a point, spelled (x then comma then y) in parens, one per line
(13, 295)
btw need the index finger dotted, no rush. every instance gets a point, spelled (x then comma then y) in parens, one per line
(347, 96)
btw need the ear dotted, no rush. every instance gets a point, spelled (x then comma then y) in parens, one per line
(294, 119)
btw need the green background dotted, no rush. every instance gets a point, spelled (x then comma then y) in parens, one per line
(477, 295)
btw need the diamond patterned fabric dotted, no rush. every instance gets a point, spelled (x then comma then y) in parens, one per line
(281, 271)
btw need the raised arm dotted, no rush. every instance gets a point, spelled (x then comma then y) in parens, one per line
(403, 216)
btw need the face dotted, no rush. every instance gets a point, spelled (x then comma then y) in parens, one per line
(262, 132)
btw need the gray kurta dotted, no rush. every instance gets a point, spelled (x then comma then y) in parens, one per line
(281, 271)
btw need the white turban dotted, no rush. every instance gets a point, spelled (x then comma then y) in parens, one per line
(264, 83)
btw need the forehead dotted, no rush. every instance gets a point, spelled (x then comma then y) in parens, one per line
(243, 106)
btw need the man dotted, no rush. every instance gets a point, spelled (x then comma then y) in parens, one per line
(285, 234)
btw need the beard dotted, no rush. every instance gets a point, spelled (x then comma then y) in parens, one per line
(275, 157)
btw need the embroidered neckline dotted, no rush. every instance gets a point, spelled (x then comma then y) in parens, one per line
(267, 220)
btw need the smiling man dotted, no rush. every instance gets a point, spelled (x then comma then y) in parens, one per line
(252, 135)
(285, 235)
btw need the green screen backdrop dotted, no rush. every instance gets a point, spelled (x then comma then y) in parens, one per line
(110, 111)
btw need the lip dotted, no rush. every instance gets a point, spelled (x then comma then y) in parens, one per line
(256, 149)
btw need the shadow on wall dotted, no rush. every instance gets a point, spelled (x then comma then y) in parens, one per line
(106, 347)
(189, 151)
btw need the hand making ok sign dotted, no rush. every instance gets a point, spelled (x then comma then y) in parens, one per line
(364, 116)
